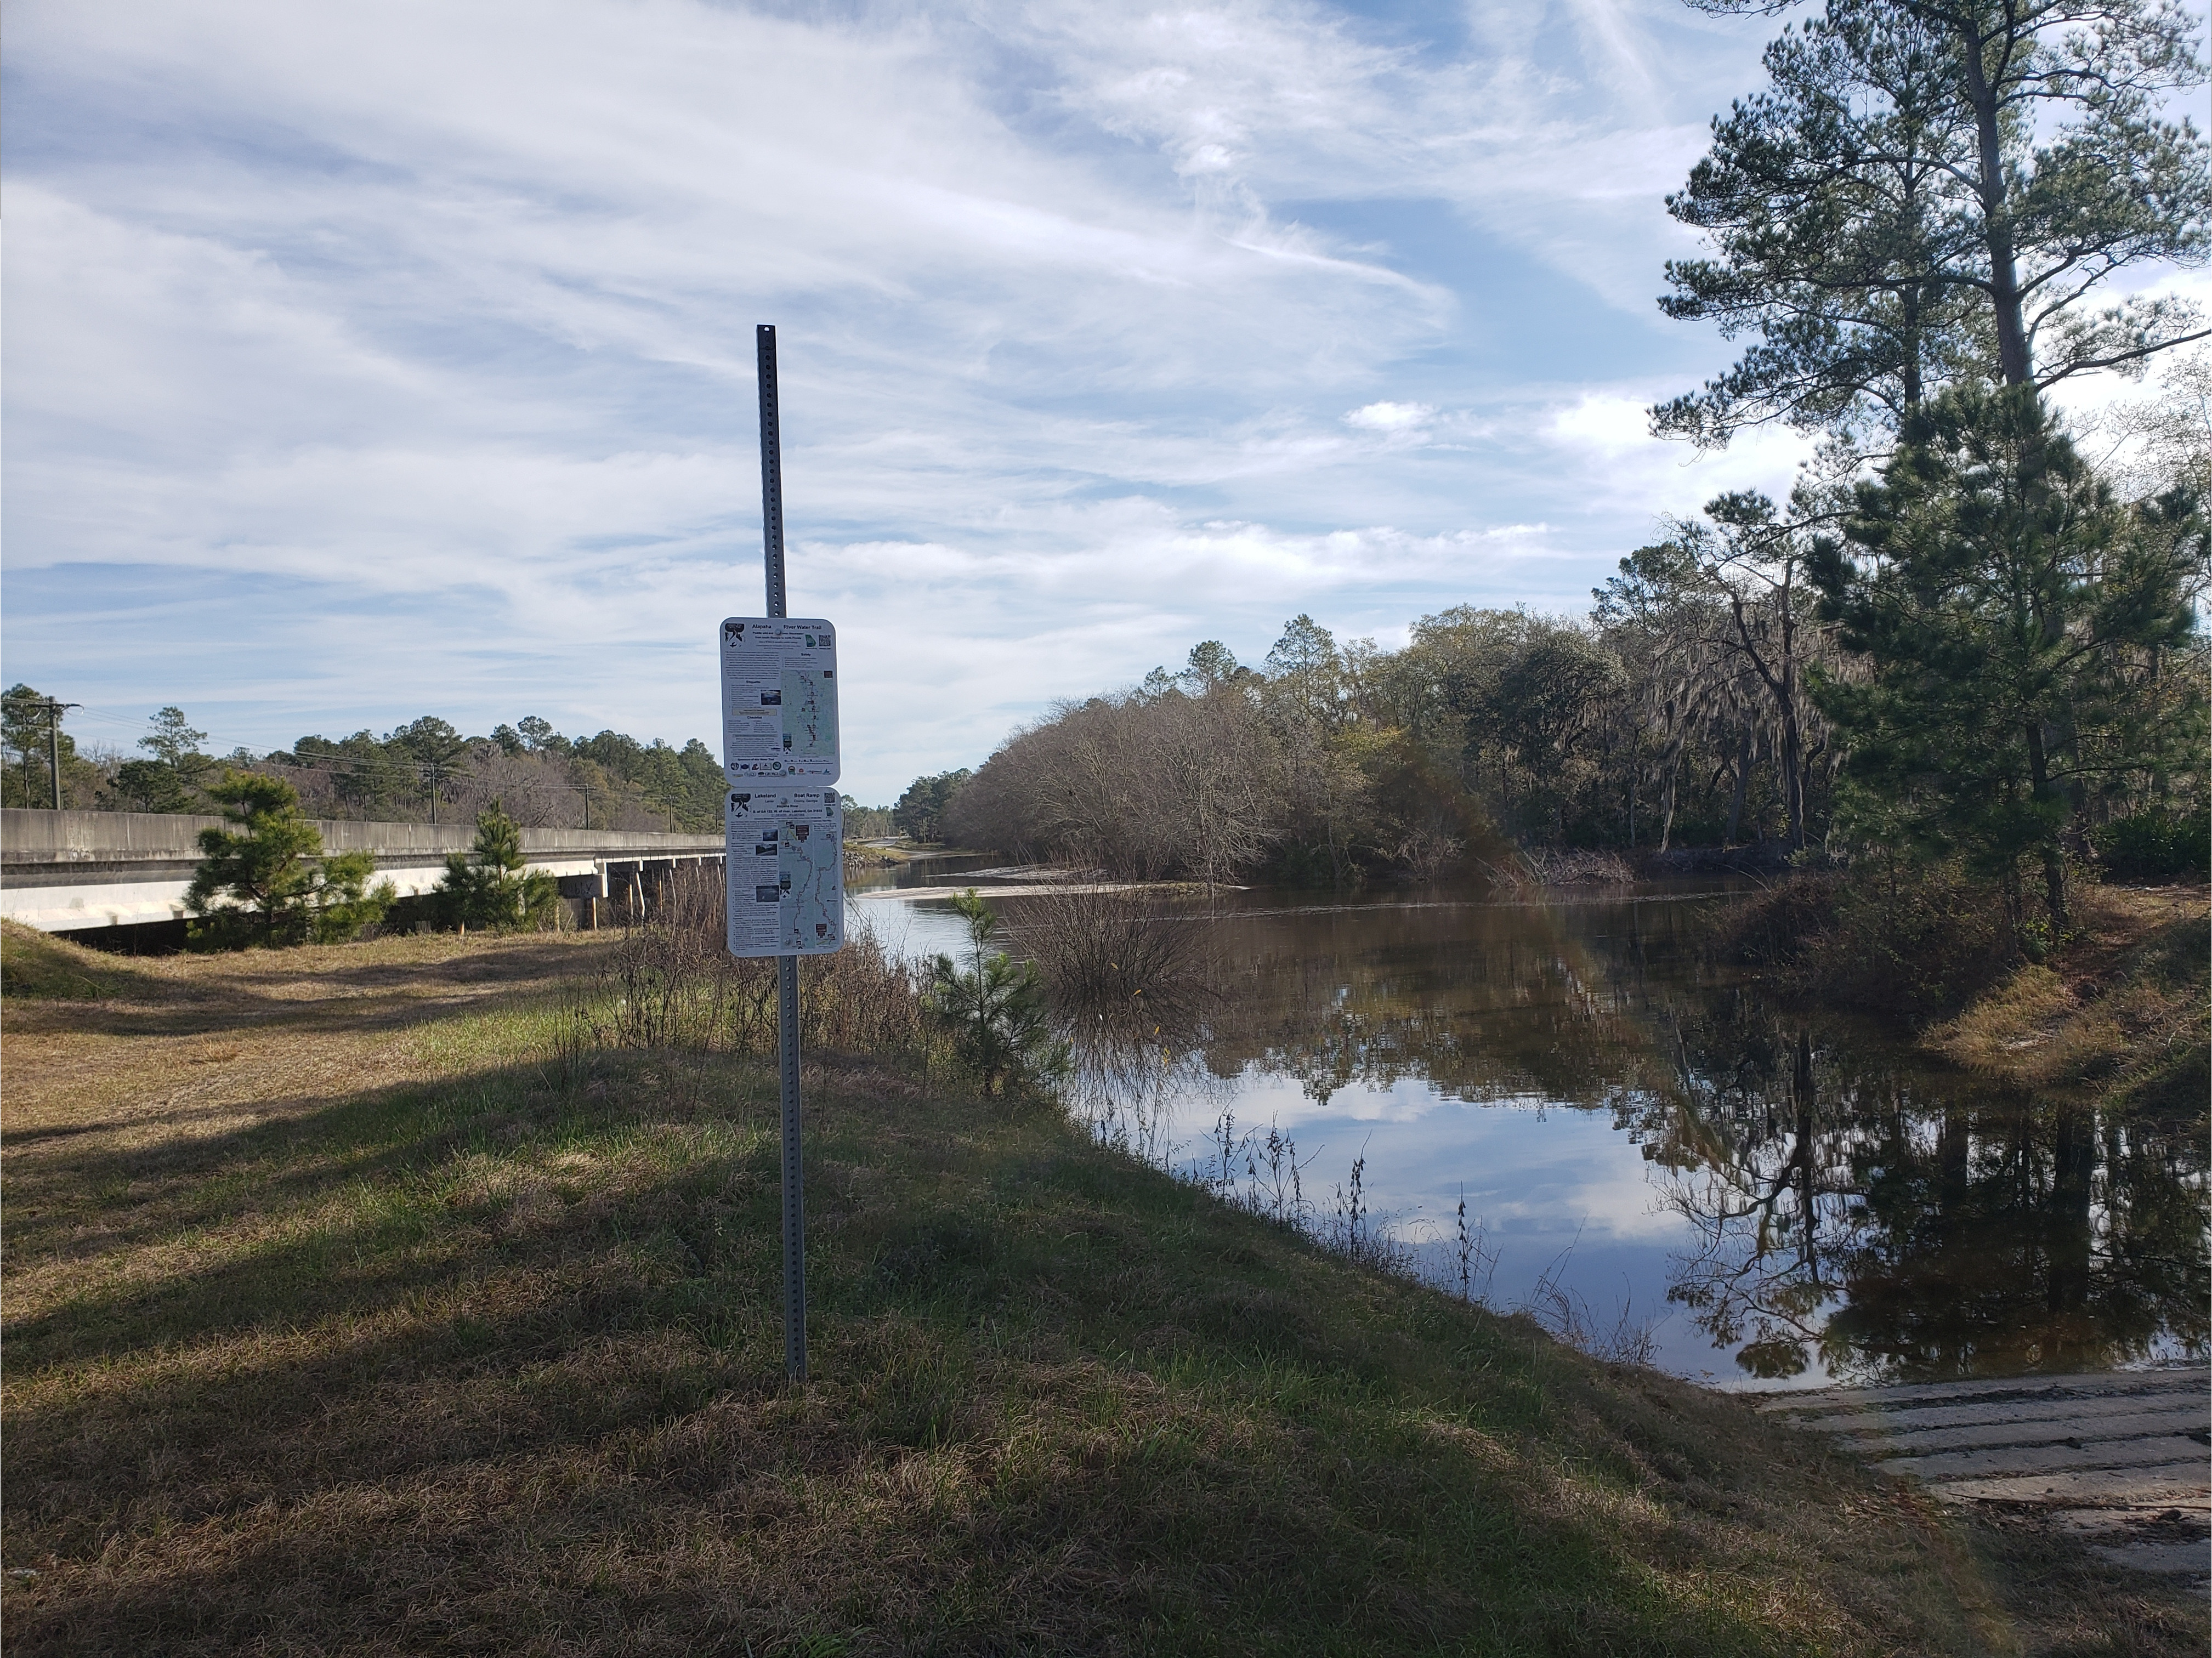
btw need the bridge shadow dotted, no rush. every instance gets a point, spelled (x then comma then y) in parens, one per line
(254, 989)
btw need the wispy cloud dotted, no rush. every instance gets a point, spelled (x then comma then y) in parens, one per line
(364, 361)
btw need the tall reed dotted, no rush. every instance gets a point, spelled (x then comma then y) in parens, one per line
(670, 982)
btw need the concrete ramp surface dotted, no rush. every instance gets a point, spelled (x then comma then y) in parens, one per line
(2123, 1458)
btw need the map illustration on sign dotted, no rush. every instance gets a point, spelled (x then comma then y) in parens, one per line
(786, 861)
(778, 700)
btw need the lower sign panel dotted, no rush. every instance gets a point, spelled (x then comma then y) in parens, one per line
(787, 871)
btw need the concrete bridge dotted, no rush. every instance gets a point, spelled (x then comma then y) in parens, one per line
(61, 872)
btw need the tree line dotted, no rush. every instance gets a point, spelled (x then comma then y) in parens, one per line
(1968, 633)
(425, 770)
(1981, 648)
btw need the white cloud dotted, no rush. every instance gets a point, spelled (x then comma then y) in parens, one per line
(1618, 461)
(1391, 417)
(1605, 422)
(407, 349)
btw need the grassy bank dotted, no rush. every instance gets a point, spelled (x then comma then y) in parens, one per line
(1920, 945)
(2119, 1011)
(353, 1304)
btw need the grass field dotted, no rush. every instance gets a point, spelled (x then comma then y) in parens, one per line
(351, 1306)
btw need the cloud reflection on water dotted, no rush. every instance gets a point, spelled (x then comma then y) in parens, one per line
(1791, 1197)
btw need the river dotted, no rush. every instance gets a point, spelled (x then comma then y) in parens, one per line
(1653, 1149)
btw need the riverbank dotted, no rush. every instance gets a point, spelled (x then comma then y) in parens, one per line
(2119, 1011)
(1921, 945)
(356, 1299)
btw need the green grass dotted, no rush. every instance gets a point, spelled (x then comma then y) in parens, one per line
(477, 1351)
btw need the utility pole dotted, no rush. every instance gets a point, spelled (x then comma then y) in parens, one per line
(52, 709)
(787, 967)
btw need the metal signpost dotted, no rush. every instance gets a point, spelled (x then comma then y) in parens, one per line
(785, 827)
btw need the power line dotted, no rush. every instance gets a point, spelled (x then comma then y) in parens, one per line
(51, 708)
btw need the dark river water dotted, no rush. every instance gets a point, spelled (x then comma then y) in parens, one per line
(1653, 1149)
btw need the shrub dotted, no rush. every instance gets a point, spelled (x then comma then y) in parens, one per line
(1889, 936)
(1126, 959)
(266, 882)
(2155, 843)
(671, 983)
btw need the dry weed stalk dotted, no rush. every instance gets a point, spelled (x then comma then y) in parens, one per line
(1273, 1187)
(671, 983)
(1568, 1316)
(1133, 961)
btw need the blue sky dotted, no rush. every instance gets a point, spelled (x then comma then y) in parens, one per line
(364, 361)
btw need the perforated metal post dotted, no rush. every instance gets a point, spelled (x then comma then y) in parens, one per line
(787, 967)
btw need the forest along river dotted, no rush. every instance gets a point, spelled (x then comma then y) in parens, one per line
(1652, 1149)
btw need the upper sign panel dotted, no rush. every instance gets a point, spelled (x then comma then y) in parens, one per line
(779, 699)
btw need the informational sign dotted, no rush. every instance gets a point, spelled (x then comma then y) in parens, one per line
(778, 700)
(785, 858)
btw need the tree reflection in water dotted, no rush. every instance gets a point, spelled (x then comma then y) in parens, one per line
(1896, 1222)
(1845, 1201)
(1132, 1090)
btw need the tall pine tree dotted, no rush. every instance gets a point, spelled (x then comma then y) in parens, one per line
(1929, 191)
(2013, 619)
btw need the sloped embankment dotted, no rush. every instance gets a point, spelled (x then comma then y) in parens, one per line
(354, 1302)
(2120, 1013)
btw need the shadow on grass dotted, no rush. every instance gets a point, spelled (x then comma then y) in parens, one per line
(78, 989)
(396, 1153)
(496, 1364)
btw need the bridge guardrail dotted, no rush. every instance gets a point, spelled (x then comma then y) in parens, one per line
(65, 871)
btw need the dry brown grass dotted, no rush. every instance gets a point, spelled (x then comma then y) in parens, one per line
(2121, 1009)
(342, 1316)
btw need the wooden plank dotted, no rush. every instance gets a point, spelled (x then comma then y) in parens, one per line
(2102, 1456)
(1882, 1441)
(2160, 1450)
(2090, 1383)
(2175, 1484)
(1965, 1416)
